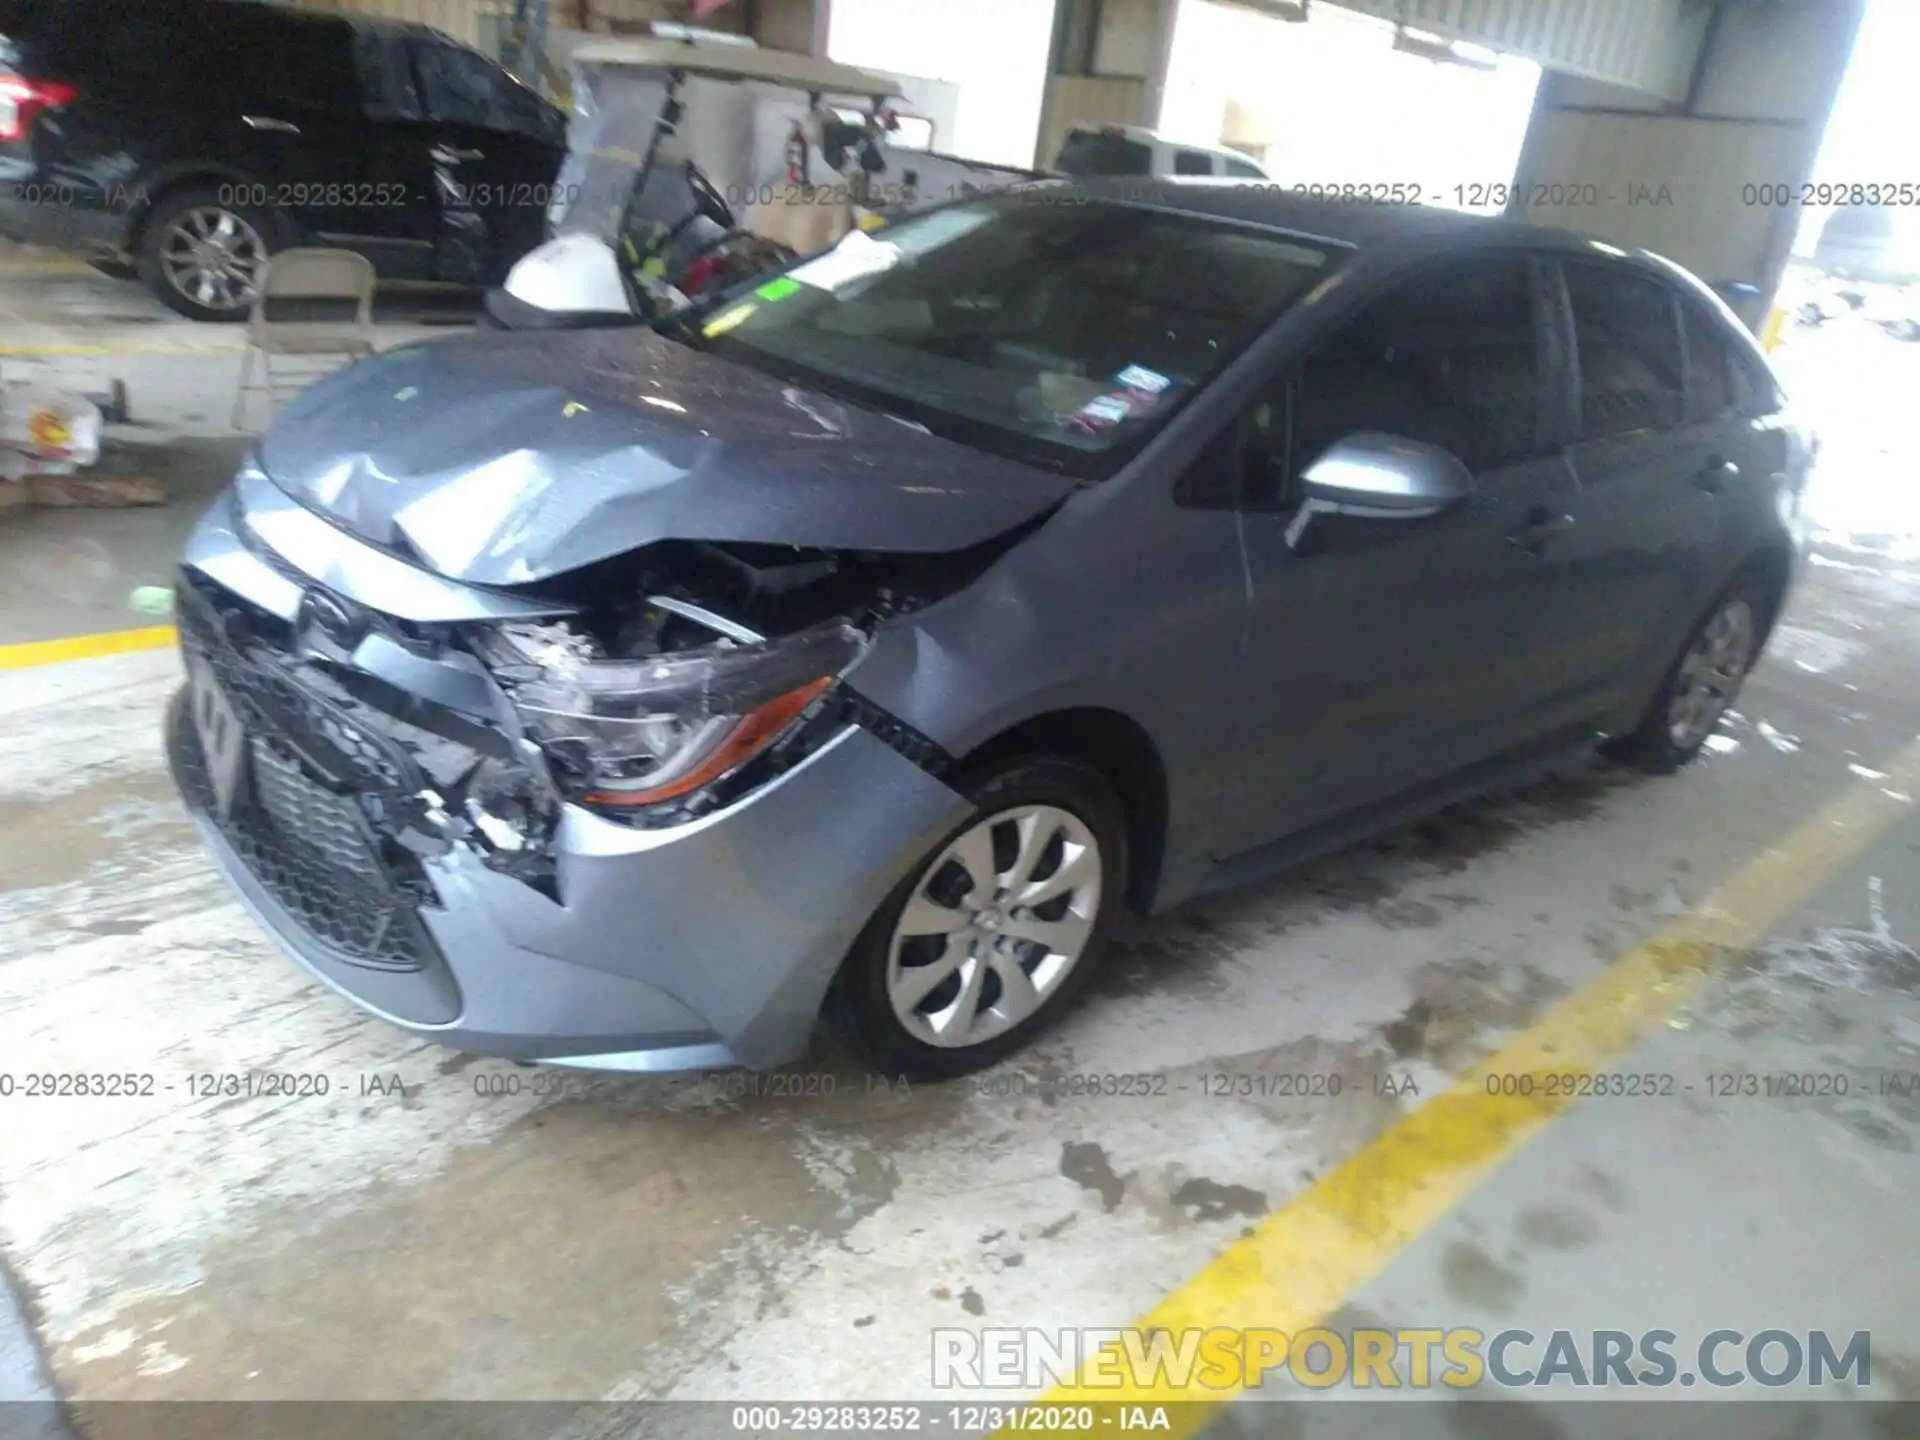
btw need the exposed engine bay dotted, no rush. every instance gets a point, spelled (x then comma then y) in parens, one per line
(693, 671)
(675, 680)
(767, 590)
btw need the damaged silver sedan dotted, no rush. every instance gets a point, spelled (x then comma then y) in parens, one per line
(856, 647)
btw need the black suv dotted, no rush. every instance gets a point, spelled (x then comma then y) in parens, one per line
(192, 138)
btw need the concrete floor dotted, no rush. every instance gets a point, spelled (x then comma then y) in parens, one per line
(415, 1234)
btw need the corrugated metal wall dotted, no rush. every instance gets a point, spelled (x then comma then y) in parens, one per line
(1624, 42)
(1680, 181)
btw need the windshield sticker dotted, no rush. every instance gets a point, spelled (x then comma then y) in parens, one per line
(1138, 377)
(854, 258)
(1102, 412)
(779, 289)
(727, 319)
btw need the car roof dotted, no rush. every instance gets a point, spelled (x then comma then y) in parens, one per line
(1147, 136)
(1356, 224)
(302, 14)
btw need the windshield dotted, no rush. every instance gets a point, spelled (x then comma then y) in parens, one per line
(1055, 331)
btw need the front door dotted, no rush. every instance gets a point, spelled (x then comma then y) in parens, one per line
(1384, 654)
(301, 121)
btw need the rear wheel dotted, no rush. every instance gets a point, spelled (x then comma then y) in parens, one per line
(1702, 683)
(995, 933)
(202, 256)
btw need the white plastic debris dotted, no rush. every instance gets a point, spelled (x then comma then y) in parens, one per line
(46, 432)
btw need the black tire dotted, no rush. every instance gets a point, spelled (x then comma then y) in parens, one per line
(1654, 745)
(169, 213)
(858, 1008)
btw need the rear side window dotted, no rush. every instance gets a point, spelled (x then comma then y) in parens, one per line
(1629, 346)
(1086, 153)
(463, 87)
(94, 40)
(1451, 358)
(1755, 391)
(456, 84)
(1192, 162)
(1710, 367)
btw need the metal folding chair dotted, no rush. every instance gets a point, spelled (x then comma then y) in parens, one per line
(305, 275)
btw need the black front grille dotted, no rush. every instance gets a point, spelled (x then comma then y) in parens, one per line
(301, 818)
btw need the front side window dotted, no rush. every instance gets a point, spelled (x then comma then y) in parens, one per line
(1061, 333)
(1450, 358)
(1192, 162)
(300, 61)
(1629, 346)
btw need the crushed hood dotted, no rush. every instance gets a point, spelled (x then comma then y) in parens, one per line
(505, 459)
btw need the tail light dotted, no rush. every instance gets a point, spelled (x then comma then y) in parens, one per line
(21, 99)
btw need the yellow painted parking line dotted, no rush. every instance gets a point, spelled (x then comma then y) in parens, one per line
(1310, 1256)
(24, 351)
(85, 647)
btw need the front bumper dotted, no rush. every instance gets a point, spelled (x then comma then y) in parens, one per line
(697, 945)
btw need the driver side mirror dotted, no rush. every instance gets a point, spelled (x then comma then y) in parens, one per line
(1375, 476)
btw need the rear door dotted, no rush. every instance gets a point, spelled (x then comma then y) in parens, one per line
(1387, 654)
(1735, 407)
(298, 115)
(496, 148)
(1651, 462)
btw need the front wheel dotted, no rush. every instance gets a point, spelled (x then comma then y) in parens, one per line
(1701, 685)
(995, 933)
(204, 257)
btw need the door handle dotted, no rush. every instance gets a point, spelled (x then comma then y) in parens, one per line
(446, 155)
(267, 122)
(1540, 526)
(1714, 474)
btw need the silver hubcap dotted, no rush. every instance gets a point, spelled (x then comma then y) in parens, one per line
(213, 257)
(994, 926)
(1710, 676)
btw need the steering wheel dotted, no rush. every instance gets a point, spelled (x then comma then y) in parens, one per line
(708, 200)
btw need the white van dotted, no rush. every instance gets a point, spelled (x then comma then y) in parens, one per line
(1135, 150)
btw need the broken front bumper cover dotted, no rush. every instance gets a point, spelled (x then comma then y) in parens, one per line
(696, 945)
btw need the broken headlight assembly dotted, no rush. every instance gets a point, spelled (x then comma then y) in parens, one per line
(630, 733)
